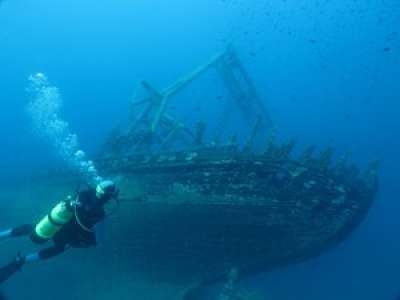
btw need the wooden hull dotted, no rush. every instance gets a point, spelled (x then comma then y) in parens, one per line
(186, 219)
(198, 215)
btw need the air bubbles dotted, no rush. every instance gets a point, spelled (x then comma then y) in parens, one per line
(44, 109)
(80, 155)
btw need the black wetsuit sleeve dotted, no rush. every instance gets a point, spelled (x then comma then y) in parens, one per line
(51, 251)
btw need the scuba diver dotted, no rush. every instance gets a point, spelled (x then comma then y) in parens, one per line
(71, 223)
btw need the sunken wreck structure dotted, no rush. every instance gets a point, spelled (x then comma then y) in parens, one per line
(193, 208)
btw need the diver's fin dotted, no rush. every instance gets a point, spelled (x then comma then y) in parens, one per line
(10, 269)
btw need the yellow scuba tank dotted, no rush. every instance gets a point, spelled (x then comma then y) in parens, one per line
(60, 215)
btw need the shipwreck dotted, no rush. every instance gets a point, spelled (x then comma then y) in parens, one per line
(197, 203)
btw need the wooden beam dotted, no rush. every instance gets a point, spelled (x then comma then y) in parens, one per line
(159, 113)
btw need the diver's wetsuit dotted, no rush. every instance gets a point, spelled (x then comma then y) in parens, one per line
(90, 212)
(78, 232)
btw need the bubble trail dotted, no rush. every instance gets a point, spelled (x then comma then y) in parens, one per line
(44, 109)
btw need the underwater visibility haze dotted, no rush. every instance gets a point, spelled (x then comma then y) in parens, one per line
(214, 149)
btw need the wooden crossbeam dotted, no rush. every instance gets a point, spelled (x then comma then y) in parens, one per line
(236, 80)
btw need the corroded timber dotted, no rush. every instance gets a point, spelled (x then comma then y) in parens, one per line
(198, 214)
(154, 129)
(188, 218)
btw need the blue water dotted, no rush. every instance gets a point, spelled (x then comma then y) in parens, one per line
(328, 71)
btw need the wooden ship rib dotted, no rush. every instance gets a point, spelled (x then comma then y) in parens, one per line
(193, 209)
